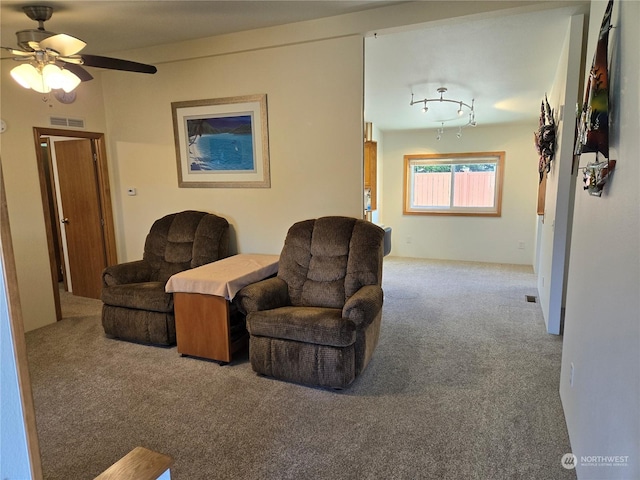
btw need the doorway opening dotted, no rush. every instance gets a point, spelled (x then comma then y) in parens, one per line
(76, 201)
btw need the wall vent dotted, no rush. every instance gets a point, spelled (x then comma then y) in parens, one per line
(66, 122)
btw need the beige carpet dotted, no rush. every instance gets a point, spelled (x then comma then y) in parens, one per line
(463, 385)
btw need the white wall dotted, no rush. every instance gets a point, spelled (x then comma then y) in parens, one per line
(22, 110)
(312, 75)
(482, 239)
(14, 454)
(602, 324)
(306, 85)
(556, 223)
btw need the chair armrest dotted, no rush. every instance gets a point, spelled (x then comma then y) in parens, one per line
(123, 273)
(363, 306)
(263, 295)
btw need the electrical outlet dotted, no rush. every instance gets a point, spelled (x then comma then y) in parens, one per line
(521, 245)
(408, 239)
(571, 375)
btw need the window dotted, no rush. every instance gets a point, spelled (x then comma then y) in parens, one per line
(453, 184)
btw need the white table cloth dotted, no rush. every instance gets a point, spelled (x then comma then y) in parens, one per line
(224, 277)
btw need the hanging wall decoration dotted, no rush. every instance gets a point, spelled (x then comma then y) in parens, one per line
(593, 123)
(545, 138)
(595, 176)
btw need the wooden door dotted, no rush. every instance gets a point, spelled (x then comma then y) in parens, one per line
(370, 171)
(81, 216)
(54, 219)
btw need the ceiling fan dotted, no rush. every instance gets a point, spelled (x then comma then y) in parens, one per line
(52, 61)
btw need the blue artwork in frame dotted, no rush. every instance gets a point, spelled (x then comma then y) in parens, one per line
(222, 142)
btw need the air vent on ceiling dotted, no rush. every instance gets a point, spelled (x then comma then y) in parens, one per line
(66, 122)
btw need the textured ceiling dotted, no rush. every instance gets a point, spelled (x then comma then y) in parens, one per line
(503, 62)
(112, 26)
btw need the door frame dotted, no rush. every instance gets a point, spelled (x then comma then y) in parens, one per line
(102, 171)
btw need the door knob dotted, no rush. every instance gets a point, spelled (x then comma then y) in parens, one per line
(64, 220)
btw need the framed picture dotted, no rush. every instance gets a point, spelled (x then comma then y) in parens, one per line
(222, 142)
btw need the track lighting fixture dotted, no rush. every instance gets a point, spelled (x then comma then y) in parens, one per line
(462, 109)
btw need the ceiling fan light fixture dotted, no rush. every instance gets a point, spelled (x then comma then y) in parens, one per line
(57, 78)
(52, 76)
(43, 80)
(29, 76)
(70, 82)
(47, 54)
(23, 74)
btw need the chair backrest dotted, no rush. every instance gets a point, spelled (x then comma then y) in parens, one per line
(185, 240)
(326, 260)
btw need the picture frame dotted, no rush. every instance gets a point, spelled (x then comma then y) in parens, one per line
(222, 142)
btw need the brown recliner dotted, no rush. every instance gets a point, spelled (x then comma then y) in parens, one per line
(318, 321)
(136, 306)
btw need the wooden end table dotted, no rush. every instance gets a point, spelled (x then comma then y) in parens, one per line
(202, 304)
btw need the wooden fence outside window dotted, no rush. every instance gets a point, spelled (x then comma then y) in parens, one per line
(472, 189)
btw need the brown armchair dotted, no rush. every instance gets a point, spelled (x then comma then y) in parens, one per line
(318, 321)
(135, 304)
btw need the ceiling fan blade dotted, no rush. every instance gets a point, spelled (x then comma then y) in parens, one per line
(77, 59)
(78, 71)
(117, 64)
(64, 44)
(17, 53)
